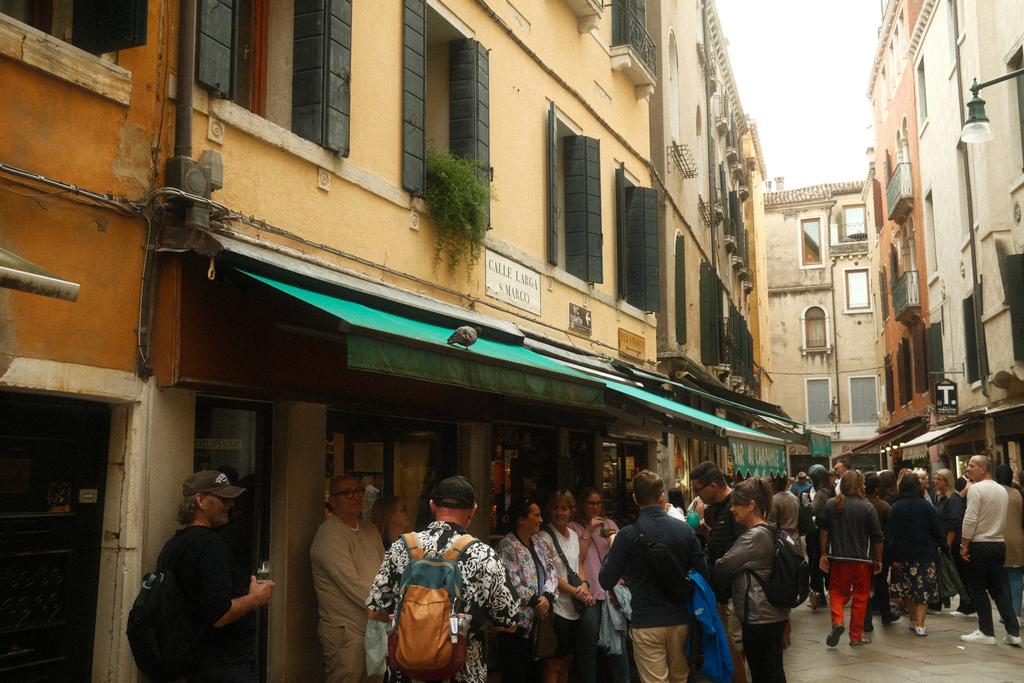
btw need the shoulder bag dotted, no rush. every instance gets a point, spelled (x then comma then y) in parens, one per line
(571, 577)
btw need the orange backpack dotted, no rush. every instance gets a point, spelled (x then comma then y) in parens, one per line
(428, 639)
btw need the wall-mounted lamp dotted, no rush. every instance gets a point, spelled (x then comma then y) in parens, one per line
(977, 127)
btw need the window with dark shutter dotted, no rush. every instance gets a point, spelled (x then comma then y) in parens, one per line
(469, 117)
(680, 282)
(100, 26)
(876, 190)
(890, 389)
(583, 234)
(935, 359)
(414, 93)
(921, 383)
(552, 185)
(1015, 290)
(642, 268)
(883, 291)
(215, 51)
(321, 64)
(970, 340)
(710, 300)
(902, 374)
(620, 231)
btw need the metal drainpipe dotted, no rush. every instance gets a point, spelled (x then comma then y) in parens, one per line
(835, 324)
(979, 327)
(186, 76)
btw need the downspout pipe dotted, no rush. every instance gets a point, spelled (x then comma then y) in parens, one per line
(979, 326)
(186, 77)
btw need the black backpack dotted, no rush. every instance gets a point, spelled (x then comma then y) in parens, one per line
(674, 582)
(164, 635)
(789, 582)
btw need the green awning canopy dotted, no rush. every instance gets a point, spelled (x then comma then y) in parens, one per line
(395, 345)
(820, 444)
(757, 458)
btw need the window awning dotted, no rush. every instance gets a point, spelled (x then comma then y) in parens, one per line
(942, 434)
(752, 451)
(391, 344)
(877, 442)
(25, 276)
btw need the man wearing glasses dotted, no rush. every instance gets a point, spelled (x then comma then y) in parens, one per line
(346, 554)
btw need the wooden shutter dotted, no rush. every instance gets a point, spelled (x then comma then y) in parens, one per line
(970, 340)
(620, 231)
(100, 26)
(321, 78)
(680, 283)
(1015, 288)
(883, 291)
(552, 185)
(890, 390)
(935, 360)
(215, 51)
(903, 377)
(642, 268)
(710, 344)
(921, 383)
(583, 235)
(876, 190)
(414, 98)
(469, 117)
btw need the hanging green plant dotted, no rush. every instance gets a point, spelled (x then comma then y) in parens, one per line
(458, 202)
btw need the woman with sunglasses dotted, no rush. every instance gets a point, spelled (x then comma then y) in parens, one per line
(595, 532)
(391, 517)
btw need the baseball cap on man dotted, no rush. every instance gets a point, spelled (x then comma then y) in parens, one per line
(801, 475)
(211, 482)
(455, 492)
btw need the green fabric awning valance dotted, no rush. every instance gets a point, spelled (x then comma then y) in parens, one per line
(395, 345)
(757, 458)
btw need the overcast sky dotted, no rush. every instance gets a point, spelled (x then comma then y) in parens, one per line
(802, 69)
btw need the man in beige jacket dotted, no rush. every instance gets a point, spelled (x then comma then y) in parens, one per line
(346, 554)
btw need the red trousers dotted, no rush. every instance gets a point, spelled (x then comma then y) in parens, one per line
(850, 579)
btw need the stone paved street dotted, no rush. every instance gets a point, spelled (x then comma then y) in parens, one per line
(896, 654)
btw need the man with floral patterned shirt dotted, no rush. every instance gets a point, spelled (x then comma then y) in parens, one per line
(487, 588)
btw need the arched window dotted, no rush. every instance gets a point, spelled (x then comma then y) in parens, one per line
(814, 328)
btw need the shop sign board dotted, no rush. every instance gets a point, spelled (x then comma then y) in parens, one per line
(632, 345)
(579, 319)
(512, 283)
(945, 398)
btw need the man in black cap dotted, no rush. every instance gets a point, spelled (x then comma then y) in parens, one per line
(488, 592)
(219, 592)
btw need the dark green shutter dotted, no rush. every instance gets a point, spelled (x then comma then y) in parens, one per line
(970, 340)
(883, 292)
(414, 97)
(469, 117)
(552, 175)
(321, 64)
(722, 190)
(100, 26)
(921, 382)
(583, 236)
(1015, 291)
(642, 268)
(890, 390)
(734, 212)
(710, 345)
(215, 51)
(620, 231)
(935, 359)
(681, 307)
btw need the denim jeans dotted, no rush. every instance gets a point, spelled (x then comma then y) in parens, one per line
(1016, 576)
(986, 572)
(590, 623)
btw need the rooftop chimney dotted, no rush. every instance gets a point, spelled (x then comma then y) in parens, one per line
(778, 182)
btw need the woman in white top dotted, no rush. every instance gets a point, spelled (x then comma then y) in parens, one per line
(565, 548)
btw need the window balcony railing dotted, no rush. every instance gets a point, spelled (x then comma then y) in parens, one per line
(899, 193)
(628, 29)
(906, 297)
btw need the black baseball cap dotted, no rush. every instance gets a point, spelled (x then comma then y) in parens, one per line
(455, 492)
(211, 482)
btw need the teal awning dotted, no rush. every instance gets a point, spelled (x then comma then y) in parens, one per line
(720, 425)
(395, 345)
(819, 444)
(757, 458)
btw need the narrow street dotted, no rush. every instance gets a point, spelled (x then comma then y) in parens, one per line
(896, 654)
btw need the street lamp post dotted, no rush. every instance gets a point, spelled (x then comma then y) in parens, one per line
(977, 127)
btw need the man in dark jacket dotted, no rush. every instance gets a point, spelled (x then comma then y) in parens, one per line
(659, 625)
(721, 530)
(881, 580)
(216, 589)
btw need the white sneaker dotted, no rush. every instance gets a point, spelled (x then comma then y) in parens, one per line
(921, 632)
(913, 625)
(978, 637)
(1012, 640)
(958, 613)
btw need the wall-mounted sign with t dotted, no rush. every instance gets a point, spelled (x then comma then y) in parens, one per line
(945, 398)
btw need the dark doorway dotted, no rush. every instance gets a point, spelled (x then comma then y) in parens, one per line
(53, 465)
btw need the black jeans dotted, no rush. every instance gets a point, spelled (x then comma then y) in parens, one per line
(763, 644)
(986, 572)
(880, 582)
